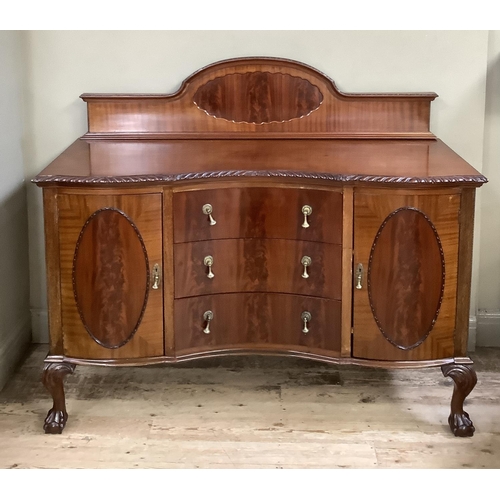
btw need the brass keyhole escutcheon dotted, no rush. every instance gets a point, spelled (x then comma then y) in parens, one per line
(359, 276)
(156, 277)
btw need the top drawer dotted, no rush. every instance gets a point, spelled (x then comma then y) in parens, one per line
(256, 212)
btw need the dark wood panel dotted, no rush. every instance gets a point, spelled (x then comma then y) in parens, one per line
(258, 97)
(145, 211)
(263, 320)
(255, 212)
(371, 208)
(406, 277)
(258, 265)
(111, 277)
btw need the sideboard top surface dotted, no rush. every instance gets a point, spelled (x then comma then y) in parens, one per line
(426, 162)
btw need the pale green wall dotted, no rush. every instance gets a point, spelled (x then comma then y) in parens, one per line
(15, 321)
(63, 64)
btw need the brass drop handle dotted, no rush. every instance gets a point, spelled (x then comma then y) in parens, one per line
(156, 277)
(359, 276)
(306, 262)
(208, 261)
(307, 211)
(207, 317)
(306, 318)
(207, 210)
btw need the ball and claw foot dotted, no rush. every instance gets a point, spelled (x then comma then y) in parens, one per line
(55, 421)
(465, 379)
(53, 378)
(461, 424)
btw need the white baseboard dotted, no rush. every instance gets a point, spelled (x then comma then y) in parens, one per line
(40, 326)
(472, 342)
(488, 328)
(12, 349)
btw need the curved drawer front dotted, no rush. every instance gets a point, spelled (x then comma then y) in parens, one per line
(258, 265)
(256, 212)
(256, 320)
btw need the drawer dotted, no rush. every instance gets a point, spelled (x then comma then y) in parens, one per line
(256, 212)
(258, 265)
(256, 320)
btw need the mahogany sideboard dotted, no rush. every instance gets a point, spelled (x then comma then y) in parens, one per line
(259, 210)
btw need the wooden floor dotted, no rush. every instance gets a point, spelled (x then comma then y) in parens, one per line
(256, 412)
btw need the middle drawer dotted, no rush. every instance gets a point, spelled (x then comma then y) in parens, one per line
(258, 265)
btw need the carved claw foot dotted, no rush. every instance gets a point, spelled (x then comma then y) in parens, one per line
(55, 422)
(465, 379)
(461, 425)
(53, 378)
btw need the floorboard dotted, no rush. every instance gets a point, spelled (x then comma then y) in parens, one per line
(250, 412)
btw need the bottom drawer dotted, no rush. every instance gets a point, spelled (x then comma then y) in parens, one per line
(256, 320)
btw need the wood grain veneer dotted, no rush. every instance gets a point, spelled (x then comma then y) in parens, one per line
(145, 211)
(371, 209)
(370, 162)
(256, 212)
(257, 319)
(258, 265)
(53, 266)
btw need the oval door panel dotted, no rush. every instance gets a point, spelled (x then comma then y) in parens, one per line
(110, 277)
(406, 277)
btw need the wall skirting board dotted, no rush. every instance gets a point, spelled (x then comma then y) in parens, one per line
(472, 341)
(40, 326)
(12, 350)
(488, 328)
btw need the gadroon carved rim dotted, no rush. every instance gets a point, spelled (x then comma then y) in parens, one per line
(474, 180)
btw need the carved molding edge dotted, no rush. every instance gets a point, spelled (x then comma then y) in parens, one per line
(220, 174)
(148, 276)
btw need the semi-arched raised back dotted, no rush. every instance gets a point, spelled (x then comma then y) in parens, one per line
(259, 97)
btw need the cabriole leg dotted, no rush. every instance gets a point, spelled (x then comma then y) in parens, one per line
(465, 379)
(53, 380)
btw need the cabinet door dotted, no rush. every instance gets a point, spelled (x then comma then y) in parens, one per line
(110, 245)
(405, 299)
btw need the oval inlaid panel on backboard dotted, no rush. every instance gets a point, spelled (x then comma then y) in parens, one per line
(406, 277)
(258, 97)
(110, 277)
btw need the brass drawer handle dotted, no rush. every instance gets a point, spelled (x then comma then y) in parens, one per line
(359, 276)
(207, 317)
(156, 277)
(307, 211)
(208, 261)
(306, 262)
(306, 318)
(207, 210)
